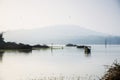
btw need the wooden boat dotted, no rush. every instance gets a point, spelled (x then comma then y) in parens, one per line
(87, 49)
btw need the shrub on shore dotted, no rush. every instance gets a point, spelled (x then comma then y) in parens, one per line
(113, 72)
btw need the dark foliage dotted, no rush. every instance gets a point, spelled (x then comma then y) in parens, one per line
(71, 45)
(40, 46)
(12, 45)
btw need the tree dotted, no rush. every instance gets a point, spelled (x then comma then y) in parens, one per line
(1, 39)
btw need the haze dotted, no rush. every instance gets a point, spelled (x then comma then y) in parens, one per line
(98, 15)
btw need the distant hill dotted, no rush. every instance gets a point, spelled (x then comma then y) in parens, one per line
(61, 34)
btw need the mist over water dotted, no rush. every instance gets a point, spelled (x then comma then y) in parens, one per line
(60, 34)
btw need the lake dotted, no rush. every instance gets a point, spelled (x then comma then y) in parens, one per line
(67, 63)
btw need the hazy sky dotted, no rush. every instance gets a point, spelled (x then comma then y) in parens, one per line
(100, 15)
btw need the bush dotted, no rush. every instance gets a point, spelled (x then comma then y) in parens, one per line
(113, 72)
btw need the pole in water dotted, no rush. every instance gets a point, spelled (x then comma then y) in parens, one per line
(51, 47)
(105, 43)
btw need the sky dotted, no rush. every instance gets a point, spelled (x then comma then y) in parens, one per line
(98, 15)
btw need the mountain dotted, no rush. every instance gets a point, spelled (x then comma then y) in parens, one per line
(61, 34)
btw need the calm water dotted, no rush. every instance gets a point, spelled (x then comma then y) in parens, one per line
(68, 63)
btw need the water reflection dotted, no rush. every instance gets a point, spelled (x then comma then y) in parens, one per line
(87, 54)
(50, 51)
(53, 50)
(25, 51)
(65, 61)
(41, 49)
(19, 51)
(1, 55)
